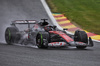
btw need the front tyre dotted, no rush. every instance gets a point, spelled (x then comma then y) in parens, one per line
(81, 36)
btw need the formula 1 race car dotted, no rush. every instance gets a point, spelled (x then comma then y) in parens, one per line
(45, 35)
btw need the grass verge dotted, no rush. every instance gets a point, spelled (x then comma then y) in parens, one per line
(85, 13)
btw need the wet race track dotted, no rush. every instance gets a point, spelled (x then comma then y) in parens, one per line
(17, 55)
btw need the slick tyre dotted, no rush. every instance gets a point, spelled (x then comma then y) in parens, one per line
(42, 41)
(10, 34)
(81, 36)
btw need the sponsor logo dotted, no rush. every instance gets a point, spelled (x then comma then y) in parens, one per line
(57, 44)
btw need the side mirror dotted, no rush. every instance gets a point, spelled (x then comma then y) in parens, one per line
(65, 29)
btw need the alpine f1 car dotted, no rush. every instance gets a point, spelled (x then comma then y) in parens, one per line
(45, 35)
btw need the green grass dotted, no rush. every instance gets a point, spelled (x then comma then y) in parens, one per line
(85, 13)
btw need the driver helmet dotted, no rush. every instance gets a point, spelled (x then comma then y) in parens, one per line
(48, 28)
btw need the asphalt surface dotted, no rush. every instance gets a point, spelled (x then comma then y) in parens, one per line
(17, 55)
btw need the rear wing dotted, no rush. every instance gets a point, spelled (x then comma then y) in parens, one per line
(28, 22)
(24, 22)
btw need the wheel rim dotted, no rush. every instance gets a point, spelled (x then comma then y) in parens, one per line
(38, 41)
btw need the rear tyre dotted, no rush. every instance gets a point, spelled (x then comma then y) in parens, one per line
(42, 41)
(81, 36)
(10, 35)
